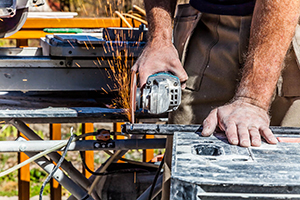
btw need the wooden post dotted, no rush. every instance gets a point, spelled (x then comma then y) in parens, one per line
(148, 153)
(89, 155)
(117, 128)
(55, 187)
(23, 176)
(22, 42)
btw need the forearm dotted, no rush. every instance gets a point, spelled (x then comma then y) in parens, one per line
(272, 29)
(160, 15)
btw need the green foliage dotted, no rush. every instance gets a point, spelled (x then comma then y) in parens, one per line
(10, 177)
(36, 175)
(9, 193)
(8, 131)
(40, 133)
(9, 184)
(35, 189)
(37, 178)
(7, 43)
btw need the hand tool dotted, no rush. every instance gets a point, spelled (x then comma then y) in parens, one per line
(161, 93)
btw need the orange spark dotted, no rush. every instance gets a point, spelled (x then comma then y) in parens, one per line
(86, 45)
(71, 44)
(104, 90)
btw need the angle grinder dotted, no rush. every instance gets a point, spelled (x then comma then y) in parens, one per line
(161, 93)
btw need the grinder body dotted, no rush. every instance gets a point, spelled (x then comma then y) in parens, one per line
(162, 93)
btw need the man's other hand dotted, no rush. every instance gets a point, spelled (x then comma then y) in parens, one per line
(159, 56)
(243, 123)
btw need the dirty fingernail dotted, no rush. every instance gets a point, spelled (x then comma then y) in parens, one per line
(255, 143)
(234, 141)
(245, 143)
(273, 140)
(204, 133)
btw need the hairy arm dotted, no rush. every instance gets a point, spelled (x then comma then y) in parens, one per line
(159, 54)
(246, 118)
(160, 16)
(272, 30)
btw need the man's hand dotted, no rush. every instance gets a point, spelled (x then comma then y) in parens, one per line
(246, 119)
(159, 56)
(243, 123)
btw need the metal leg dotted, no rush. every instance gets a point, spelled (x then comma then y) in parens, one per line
(67, 166)
(59, 176)
(167, 169)
(156, 191)
(105, 166)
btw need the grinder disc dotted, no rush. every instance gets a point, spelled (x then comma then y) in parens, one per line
(133, 87)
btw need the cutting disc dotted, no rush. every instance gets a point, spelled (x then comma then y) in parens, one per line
(133, 87)
(9, 26)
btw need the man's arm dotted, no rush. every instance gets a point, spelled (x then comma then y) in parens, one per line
(159, 54)
(246, 118)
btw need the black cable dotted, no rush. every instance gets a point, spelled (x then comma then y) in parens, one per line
(87, 134)
(108, 173)
(56, 167)
(156, 177)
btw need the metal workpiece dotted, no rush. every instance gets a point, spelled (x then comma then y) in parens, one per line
(159, 129)
(169, 129)
(211, 168)
(82, 145)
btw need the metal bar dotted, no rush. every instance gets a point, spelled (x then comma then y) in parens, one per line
(55, 79)
(169, 129)
(159, 129)
(85, 145)
(59, 176)
(67, 166)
